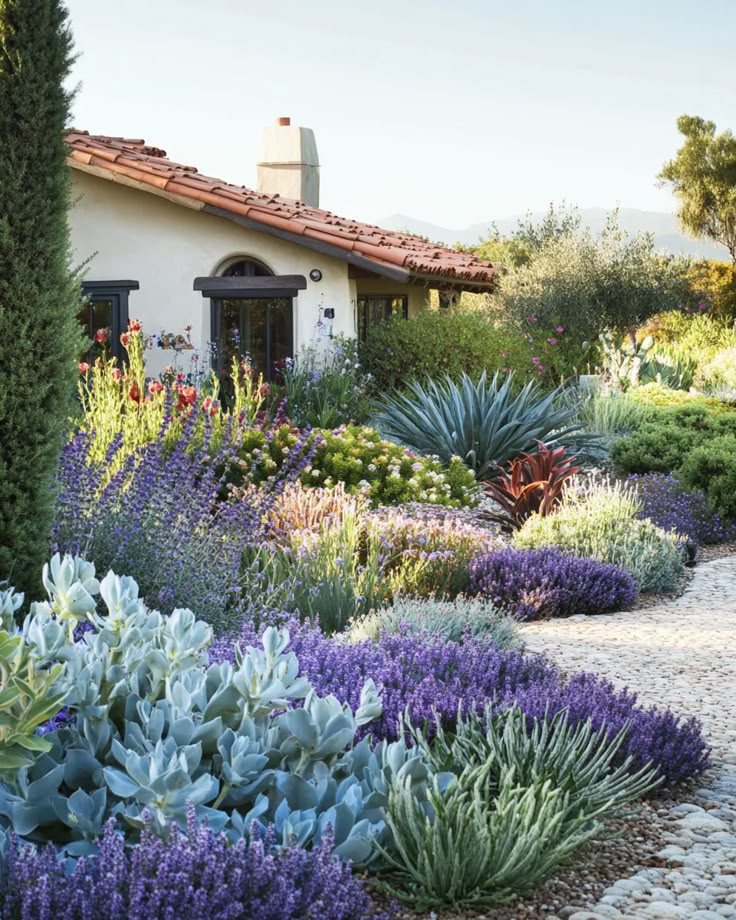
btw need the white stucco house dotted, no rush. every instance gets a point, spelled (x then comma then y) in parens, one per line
(259, 271)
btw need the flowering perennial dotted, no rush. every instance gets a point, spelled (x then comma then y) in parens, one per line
(533, 584)
(187, 877)
(432, 675)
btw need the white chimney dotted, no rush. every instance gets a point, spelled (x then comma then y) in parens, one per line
(288, 164)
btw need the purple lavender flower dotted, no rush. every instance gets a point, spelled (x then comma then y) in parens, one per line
(533, 584)
(187, 877)
(428, 675)
(166, 516)
(668, 505)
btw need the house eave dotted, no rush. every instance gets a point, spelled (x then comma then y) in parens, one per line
(395, 273)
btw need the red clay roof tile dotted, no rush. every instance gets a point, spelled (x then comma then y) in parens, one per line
(388, 248)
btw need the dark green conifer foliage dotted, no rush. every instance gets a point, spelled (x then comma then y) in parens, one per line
(40, 338)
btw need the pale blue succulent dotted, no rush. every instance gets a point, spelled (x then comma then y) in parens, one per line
(153, 730)
(70, 583)
(10, 603)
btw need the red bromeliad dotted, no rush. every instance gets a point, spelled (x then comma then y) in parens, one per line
(532, 483)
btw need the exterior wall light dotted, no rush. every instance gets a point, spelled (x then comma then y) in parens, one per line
(315, 275)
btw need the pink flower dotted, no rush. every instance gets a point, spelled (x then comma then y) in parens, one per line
(134, 325)
(155, 387)
(83, 367)
(125, 340)
(116, 373)
(536, 360)
(560, 329)
(101, 335)
(540, 368)
(552, 341)
(532, 319)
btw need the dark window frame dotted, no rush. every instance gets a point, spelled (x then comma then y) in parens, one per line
(362, 324)
(216, 305)
(117, 292)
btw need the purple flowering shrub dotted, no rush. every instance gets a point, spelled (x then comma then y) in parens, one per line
(164, 516)
(188, 877)
(424, 675)
(670, 506)
(534, 584)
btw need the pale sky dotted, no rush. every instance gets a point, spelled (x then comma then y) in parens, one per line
(450, 112)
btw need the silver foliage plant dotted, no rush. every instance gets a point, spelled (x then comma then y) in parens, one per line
(453, 620)
(152, 729)
(526, 795)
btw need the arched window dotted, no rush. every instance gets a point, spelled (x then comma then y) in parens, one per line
(258, 324)
(246, 268)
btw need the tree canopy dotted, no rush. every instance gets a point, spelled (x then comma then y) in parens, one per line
(703, 178)
(588, 284)
(40, 338)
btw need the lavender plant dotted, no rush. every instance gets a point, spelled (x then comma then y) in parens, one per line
(189, 876)
(669, 505)
(534, 584)
(428, 675)
(164, 517)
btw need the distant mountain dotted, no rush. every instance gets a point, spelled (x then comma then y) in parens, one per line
(664, 226)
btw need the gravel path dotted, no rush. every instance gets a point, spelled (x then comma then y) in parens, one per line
(681, 654)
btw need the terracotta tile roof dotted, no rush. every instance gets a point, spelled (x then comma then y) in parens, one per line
(130, 159)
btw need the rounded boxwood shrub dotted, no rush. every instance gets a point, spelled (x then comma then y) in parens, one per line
(712, 468)
(535, 584)
(662, 444)
(653, 449)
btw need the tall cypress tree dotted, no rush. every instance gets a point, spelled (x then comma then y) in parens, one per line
(40, 339)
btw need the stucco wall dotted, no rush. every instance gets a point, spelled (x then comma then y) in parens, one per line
(131, 234)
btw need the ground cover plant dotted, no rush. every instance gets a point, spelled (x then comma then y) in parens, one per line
(667, 503)
(533, 584)
(189, 876)
(452, 619)
(247, 741)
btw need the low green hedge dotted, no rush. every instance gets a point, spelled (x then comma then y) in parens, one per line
(695, 443)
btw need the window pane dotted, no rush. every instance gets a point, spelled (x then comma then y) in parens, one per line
(102, 316)
(257, 327)
(281, 331)
(378, 308)
(96, 315)
(231, 335)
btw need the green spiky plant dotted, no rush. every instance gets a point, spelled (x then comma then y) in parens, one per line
(519, 799)
(40, 339)
(485, 422)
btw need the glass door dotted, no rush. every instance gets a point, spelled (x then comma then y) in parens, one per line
(255, 327)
